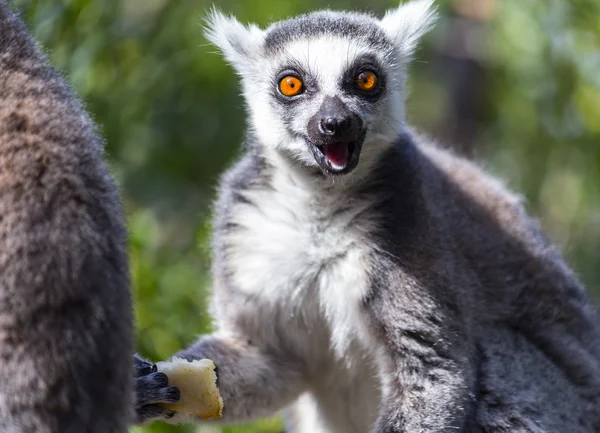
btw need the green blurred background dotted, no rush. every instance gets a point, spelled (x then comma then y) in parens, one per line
(513, 84)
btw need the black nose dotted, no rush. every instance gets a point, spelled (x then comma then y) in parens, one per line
(334, 122)
(335, 125)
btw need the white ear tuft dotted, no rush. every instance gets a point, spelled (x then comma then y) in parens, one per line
(408, 23)
(240, 44)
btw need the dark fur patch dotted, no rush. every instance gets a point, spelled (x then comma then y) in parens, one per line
(66, 333)
(346, 24)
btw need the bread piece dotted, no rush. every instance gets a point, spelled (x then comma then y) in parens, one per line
(197, 383)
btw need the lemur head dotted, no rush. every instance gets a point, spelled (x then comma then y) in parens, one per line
(322, 87)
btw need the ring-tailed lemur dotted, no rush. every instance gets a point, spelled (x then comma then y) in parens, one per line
(366, 280)
(65, 307)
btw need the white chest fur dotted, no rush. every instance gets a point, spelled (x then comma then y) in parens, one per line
(304, 249)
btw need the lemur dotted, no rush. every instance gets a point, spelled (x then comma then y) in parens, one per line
(66, 336)
(366, 279)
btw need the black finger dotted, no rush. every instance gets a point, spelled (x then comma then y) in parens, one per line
(142, 370)
(141, 367)
(171, 395)
(154, 380)
(151, 388)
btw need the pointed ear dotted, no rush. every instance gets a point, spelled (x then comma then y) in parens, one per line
(408, 23)
(241, 45)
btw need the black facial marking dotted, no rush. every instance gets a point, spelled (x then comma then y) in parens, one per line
(308, 81)
(320, 23)
(364, 63)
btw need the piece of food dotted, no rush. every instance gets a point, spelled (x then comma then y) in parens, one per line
(197, 383)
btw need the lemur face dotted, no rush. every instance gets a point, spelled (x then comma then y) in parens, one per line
(330, 93)
(322, 88)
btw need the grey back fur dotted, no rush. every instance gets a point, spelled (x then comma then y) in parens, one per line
(65, 306)
(522, 319)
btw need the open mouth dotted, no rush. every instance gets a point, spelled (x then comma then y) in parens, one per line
(337, 157)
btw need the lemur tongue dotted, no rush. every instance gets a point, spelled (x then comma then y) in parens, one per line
(337, 154)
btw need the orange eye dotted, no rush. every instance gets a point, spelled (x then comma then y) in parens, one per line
(290, 85)
(366, 81)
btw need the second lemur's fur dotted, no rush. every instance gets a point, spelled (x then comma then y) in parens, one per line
(366, 280)
(65, 307)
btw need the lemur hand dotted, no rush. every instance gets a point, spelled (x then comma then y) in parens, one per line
(151, 388)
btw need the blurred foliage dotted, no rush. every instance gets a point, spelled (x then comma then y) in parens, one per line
(514, 84)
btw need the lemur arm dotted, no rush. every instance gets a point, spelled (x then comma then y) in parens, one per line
(252, 382)
(426, 366)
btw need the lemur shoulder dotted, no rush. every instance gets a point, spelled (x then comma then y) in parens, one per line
(366, 280)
